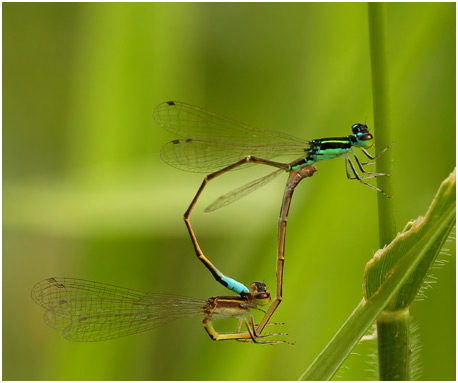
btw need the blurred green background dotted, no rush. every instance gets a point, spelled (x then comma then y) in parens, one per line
(86, 195)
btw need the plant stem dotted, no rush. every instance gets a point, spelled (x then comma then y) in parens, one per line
(393, 345)
(380, 95)
(392, 326)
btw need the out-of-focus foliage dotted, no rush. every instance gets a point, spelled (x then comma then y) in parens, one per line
(86, 195)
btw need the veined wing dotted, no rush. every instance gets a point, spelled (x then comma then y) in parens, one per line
(88, 311)
(242, 191)
(210, 142)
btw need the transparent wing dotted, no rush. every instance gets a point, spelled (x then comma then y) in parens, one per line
(88, 311)
(210, 142)
(242, 191)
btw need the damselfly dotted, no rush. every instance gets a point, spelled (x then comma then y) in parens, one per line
(214, 144)
(86, 311)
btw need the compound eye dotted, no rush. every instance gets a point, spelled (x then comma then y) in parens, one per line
(258, 287)
(359, 128)
(355, 128)
(365, 140)
(261, 296)
(365, 136)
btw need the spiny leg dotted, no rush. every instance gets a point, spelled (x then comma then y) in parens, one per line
(376, 156)
(254, 339)
(252, 328)
(227, 282)
(273, 324)
(270, 323)
(360, 179)
(249, 336)
(369, 174)
(373, 158)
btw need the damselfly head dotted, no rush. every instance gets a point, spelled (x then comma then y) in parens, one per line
(260, 293)
(362, 135)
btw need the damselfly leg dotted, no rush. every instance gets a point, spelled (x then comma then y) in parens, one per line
(367, 175)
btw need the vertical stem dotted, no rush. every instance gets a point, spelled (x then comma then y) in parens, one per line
(394, 357)
(380, 95)
(392, 326)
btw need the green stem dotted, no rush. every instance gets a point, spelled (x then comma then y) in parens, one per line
(393, 345)
(382, 123)
(392, 326)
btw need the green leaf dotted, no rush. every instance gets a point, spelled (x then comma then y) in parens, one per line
(400, 265)
(384, 261)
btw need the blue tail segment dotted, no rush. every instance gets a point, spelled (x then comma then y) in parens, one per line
(235, 286)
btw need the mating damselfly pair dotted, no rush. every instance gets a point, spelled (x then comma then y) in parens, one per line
(91, 311)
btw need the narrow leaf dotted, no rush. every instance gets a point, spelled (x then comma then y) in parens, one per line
(438, 221)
